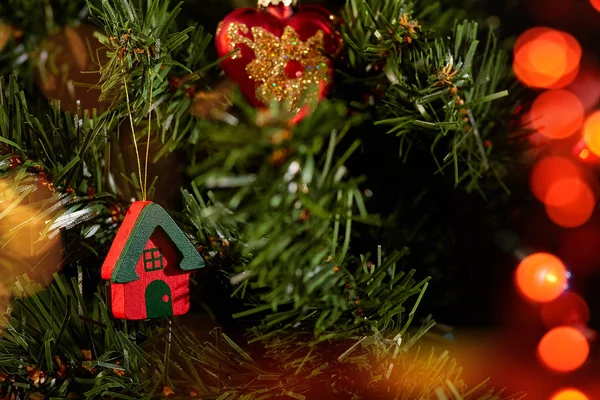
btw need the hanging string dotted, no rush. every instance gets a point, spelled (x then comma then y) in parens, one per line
(145, 191)
(137, 152)
(144, 180)
(168, 351)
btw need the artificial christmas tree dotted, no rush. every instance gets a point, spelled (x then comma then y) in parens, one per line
(307, 292)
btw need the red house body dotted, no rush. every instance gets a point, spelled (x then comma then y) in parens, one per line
(149, 265)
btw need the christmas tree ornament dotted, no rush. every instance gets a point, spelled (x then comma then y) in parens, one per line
(149, 265)
(67, 68)
(281, 52)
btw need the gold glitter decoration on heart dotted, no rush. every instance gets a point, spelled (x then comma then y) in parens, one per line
(278, 58)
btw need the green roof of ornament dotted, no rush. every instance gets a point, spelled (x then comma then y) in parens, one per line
(151, 217)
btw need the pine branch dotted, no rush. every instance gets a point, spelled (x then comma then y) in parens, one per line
(32, 22)
(147, 55)
(55, 351)
(438, 94)
(41, 19)
(59, 342)
(53, 173)
(326, 316)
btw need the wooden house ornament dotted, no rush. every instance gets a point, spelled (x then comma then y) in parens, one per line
(149, 265)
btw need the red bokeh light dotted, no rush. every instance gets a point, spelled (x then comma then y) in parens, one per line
(563, 349)
(549, 9)
(591, 132)
(541, 277)
(582, 151)
(550, 170)
(595, 4)
(586, 85)
(570, 203)
(579, 249)
(564, 192)
(569, 394)
(546, 58)
(568, 309)
(557, 114)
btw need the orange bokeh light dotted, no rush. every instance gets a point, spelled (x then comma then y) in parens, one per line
(541, 277)
(557, 114)
(563, 192)
(569, 394)
(595, 4)
(582, 151)
(568, 309)
(563, 349)
(591, 132)
(546, 58)
(550, 170)
(22, 249)
(570, 203)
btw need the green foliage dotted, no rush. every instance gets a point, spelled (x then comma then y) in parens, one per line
(438, 92)
(145, 52)
(53, 174)
(58, 341)
(306, 271)
(35, 20)
(65, 145)
(51, 337)
(42, 18)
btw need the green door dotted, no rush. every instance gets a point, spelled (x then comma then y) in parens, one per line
(158, 300)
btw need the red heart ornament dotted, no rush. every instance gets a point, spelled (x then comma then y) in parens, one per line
(284, 53)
